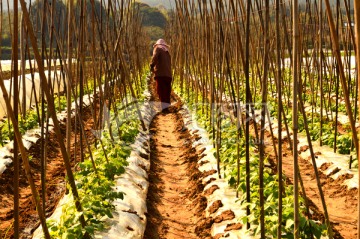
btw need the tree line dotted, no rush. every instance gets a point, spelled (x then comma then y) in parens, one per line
(154, 20)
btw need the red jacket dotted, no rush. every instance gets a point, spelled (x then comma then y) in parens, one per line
(161, 62)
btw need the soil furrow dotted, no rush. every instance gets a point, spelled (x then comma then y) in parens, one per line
(171, 211)
(175, 203)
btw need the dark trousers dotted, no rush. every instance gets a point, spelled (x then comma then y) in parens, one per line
(163, 88)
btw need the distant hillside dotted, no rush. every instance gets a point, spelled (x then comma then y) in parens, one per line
(154, 3)
(154, 20)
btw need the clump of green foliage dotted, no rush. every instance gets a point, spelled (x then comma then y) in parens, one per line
(7, 131)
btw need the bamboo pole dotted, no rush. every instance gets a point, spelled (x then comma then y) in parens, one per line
(295, 76)
(337, 80)
(357, 47)
(264, 91)
(16, 119)
(81, 72)
(279, 111)
(42, 119)
(321, 66)
(23, 66)
(69, 74)
(248, 102)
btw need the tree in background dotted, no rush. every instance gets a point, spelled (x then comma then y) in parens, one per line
(154, 20)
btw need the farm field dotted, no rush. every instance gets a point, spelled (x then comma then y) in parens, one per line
(261, 139)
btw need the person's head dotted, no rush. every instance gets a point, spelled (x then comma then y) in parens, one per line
(161, 42)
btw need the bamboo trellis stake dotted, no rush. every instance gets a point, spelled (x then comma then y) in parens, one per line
(248, 102)
(357, 47)
(279, 109)
(295, 77)
(16, 120)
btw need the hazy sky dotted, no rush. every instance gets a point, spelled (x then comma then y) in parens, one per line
(11, 3)
(4, 3)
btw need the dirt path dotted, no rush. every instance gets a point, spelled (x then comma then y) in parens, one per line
(171, 211)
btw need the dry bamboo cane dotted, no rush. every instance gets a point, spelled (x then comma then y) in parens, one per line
(321, 68)
(81, 75)
(248, 101)
(295, 76)
(218, 97)
(23, 66)
(42, 119)
(336, 81)
(15, 121)
(51, 108)
(263, 118)
(69, 76)
(279, 111)
(357, 47)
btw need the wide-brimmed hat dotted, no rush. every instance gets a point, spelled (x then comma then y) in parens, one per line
(161, 42)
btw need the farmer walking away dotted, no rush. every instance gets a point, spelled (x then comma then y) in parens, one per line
(161, 67)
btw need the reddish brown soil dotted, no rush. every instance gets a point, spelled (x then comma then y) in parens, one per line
(215, 206)
(171, 214)
(224, 216)
(341, 202)
(234, 226)
(175, 204)
(55, 182)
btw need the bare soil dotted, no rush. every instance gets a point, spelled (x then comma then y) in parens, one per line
(55, 181)
(175, 203)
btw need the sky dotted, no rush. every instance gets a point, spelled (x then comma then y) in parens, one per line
(154, 3)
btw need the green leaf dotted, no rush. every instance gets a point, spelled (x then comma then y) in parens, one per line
(90, 229)
(108, 213)
(232, 181)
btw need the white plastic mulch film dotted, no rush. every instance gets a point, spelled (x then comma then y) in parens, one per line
(225, 193)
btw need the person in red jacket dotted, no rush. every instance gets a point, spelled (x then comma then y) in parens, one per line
(161, 67)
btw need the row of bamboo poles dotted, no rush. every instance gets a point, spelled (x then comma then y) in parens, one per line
(247, 50)
(245, 42)
(87, 43)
